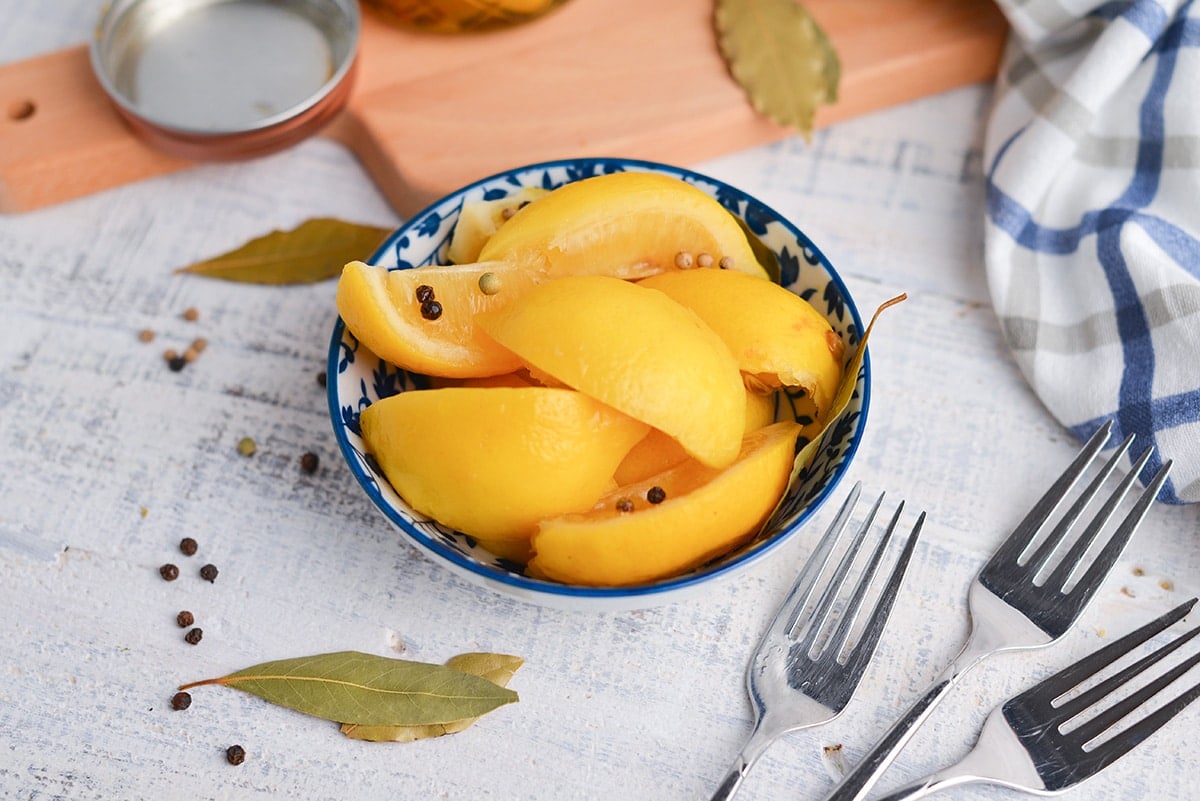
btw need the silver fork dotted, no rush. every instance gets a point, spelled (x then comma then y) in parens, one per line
(802, 675)
(1010, 607)
(1023, 745)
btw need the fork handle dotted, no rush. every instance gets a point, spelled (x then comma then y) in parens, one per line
(762, 736)
(855, 784)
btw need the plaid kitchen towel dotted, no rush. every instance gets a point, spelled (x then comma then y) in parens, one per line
(1093, 218)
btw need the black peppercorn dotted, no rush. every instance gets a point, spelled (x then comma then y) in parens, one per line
(235, 754)
(322, 379)
(185, 619)
(193, 636)
(431, 310)
(177, 363)
(181, 700)
(169, 572)
(309, 463)
(209, 573)
(424, 293)
(188, 546)
(656, 495)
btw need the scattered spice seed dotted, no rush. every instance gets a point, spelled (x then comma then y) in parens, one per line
(246, 446)
(726, 263)
(625, 505)
(146, 335)
(169, 572)
(188, 546)
(185, 619)
(209, 573)
(193, 636)
(489, 283)
(181, 700)
(190, 355)
(309, 462)
(322, 379)
(1137, 571)
(1127, 592)
(1166, 585)
(235, 754)
(199, 344)
(656, 495)
(683, 260)
(431, 310)
(169, 354)
(424, 293)
(177, 363)
(507, 213)
(704, 260)
(191, 314)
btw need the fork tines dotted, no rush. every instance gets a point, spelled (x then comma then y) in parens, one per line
(1037, 717)
(1019, 549)
(808, 635)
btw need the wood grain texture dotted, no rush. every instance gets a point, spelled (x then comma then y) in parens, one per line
(596, 77)
(640, 705)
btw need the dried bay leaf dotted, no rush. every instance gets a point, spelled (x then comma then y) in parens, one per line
(353, 687)
(314, 251)
(840, 400)
(780, 56)
(497, 668)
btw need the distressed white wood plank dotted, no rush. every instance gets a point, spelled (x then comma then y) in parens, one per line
(646, 704)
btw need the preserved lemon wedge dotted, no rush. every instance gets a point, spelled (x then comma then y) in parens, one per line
(625, 224)
(671, 522)
(492, 461)
(776, 337)
(382, 309)
(479, 219)
(636, 350)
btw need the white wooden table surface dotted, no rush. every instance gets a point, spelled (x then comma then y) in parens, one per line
(638, 705)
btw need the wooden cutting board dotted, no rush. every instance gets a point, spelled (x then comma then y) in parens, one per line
(634, 78)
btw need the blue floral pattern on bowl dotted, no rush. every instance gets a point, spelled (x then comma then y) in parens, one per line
(357, 378)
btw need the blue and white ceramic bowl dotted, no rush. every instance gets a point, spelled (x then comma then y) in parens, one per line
(357, 378)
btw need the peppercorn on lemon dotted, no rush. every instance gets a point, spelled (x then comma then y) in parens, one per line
(634, 349)
(387, 310)
(493, 461)
(626, 224)
(671, 522)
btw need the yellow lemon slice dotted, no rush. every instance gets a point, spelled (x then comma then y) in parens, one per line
(702, 513)
(658, 451)
(382, 309)
(479, 219)
(777, 338)
(636, 350)
(625, 224)
(492, 462)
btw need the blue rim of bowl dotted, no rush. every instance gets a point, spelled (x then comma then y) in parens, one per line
(525, 583)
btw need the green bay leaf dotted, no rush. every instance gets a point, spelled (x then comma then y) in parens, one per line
(780, 56)
(353, 687)
(316, 250)
(496, 668)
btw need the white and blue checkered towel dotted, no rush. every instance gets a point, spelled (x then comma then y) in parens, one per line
(1093, 218)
